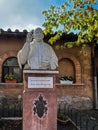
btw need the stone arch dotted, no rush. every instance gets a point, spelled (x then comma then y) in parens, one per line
(4, 56)
(76, 64)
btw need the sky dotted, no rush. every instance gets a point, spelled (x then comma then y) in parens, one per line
(24, 14)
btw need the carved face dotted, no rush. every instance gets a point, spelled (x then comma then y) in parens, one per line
(38, 34)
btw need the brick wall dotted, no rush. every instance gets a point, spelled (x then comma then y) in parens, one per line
(78, 64)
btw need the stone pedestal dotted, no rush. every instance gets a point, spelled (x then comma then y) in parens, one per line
(39, 100)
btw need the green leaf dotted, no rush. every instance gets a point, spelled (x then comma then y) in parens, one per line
(73, 15)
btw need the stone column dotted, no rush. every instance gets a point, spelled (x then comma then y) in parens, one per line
(39, 100)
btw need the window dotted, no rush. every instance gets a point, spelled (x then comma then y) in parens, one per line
(10, 65)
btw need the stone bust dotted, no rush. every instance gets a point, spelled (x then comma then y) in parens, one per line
(37, 54)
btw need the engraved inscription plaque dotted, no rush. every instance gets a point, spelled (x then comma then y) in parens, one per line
(40, 82)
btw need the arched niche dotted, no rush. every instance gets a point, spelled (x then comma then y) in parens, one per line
(66, 67)
(67, 59)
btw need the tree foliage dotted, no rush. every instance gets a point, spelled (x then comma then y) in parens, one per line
(78, 15)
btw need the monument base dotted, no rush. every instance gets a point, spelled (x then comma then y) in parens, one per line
(40, 111)
(39, 100)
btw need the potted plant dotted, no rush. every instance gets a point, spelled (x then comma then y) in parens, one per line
(66, 79)
(62, 118)
(10, 78)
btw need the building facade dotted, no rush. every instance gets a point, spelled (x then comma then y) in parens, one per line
(75, 62)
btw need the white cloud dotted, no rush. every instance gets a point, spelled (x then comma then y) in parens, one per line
(28, 27)
(22, 14)
(31, 26)
(19, 14)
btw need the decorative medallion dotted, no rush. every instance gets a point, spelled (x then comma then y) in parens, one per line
(40, 107)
